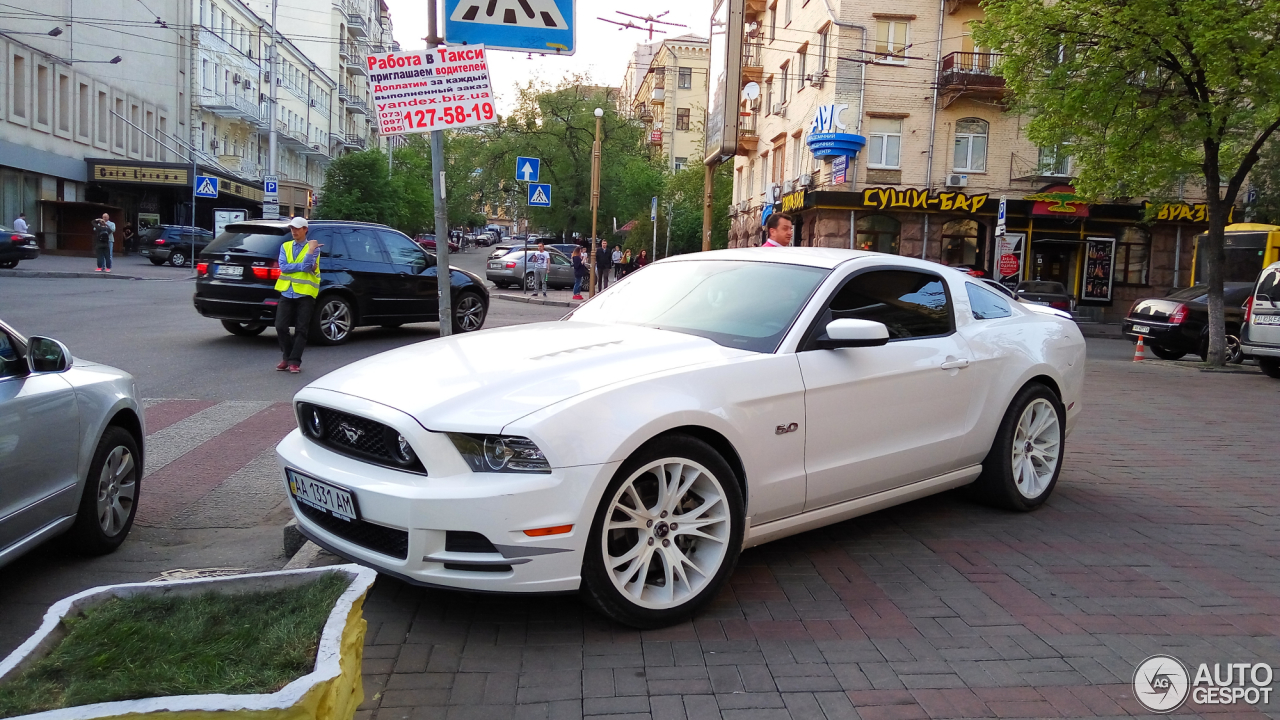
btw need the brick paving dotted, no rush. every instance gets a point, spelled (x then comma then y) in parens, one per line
(1160, 537)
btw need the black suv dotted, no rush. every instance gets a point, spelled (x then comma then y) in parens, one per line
(369, 275)
(172, 243)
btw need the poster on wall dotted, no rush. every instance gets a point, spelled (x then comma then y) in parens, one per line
(1099, 259)
(1009, 260)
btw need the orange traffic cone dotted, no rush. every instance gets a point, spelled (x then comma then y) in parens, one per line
(1139, 352)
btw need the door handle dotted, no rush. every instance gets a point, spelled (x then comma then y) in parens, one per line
(954, 364)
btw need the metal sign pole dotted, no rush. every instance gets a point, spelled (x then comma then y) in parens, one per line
(444, 276)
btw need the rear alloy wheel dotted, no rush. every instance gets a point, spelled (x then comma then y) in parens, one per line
(156, 261)
(7, 264)
(243, 329)
(1235, 353)
(1022, 467)
(529, 283)
(110, 499)
(177, 258)
(468, 313)
(334, 320)
(666, 535)
(1165, 354)
(1270, 366)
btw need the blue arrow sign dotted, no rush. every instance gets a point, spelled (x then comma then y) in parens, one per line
(527, 169)
(206, 186)
(542, 26)
(539, 195)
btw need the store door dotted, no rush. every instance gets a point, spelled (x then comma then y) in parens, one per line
(1056, 262)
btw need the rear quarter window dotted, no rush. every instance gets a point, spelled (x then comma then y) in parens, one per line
(985, 304)
(1269, 285)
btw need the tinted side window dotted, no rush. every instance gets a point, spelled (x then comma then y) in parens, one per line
(1270, 286)
(331, 243)
(402, 250)
(910, 304)
(986, 305)
(559, 260)
(362, 244)
(10, 365)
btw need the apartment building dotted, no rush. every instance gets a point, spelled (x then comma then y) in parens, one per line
(671, 98)
(906, 78)
(637, 69)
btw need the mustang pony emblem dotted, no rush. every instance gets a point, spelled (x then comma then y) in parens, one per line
(352, 434)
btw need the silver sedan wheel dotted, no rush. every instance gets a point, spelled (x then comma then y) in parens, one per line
(1037, 448)
(335, 320)
(470, 313)
(666, 533)
(117, 487)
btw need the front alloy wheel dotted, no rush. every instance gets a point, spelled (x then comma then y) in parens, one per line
(177, 258)
(468, 313)
(1025, 460)
(666, 536)
(109, 501)
(334, 321)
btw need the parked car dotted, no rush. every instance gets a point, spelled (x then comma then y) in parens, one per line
(507, 270)
(369, 275)
(428, 243)
(564, 248)
(1178, 324)
(506, 247)
(70, 448)
(740, 372)
(1260, 330)
(16, 246)
(1044, 292)
(172, 243)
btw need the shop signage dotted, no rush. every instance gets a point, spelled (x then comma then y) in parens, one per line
(840, 170)
(891, 198)
(1009, 266)
(1099, 258)
(826, 134)
(418, 91)
(1189, 212)
(1058, 201)
(792, 201)
(139, 174)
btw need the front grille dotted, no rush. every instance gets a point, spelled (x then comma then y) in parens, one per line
(467, 567)
(384, 540)
(355, 436)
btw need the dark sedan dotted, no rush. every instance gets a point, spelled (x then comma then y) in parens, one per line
(173, 244)
(369, 275)
(1044, 292)
(1178, 324)
(16, 246)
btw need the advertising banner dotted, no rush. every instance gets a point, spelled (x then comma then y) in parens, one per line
(1099, 258)
(1009, 261)
(418, 91)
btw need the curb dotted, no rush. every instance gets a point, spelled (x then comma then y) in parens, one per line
(535, 301)
(66, 275)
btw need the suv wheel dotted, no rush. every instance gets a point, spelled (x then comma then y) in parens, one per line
(243, 329)
(157, 261)
(177, 258)
(334, 320)
(1166, 354)
(468, 313)
(1270, 366)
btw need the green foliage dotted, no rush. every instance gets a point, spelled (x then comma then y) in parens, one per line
(356, 187)
(1265, 178)
(682, 196)
(149, 646)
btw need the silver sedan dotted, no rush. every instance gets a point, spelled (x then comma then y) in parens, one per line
(70, 448)
(507, 270)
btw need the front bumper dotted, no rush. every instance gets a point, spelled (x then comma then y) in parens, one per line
(499, 506)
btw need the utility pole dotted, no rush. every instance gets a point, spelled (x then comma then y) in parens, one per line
(706, 208)
(595, 198)
(271, 106)
(444, 275)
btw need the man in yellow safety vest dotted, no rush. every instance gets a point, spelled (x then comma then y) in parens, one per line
(299, 284)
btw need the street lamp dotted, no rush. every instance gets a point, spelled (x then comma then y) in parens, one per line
(595, 199)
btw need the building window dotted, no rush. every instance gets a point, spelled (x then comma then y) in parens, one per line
(19, 86)
(773, 22)
(801, 63)
(780, 161)
(64, 103)
(823, 37)
(104, 132)
(42, 94)
(787, 4)
(685, 81)
(884, 143)
(1055, 161)
(659, 78)
(119, 129)
(960, 243)
(682, 118)
(680, 163)
(751, 179)
(1133, 257)
(971, 145)
(764, 178)
(891, 41)
(768, 97)
(86, 108)
(879, 233)
(135, 135)
(783, 83)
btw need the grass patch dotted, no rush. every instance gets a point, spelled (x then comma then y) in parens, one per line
(140, 647)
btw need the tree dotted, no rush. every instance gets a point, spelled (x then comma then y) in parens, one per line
(1148, 93)
(356, 187)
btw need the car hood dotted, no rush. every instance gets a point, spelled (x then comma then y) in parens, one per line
(481, 382)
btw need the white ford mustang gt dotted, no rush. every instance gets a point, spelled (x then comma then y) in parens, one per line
(706, 404)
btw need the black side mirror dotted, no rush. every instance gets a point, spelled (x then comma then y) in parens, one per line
(46, 355)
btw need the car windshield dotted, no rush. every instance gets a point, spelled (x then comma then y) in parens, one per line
(746, 305)
(1035, 286)
(249, 239)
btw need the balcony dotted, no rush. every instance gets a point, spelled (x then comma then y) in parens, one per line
(357, 105)
(356, 63)
(356, 23)
(658, 96)
(748, 139)
(343, 92)
(969, 74)
(355, 141)
(752, 62)
(246, 169)
(232, 106)
(954, 5)
(755, 8)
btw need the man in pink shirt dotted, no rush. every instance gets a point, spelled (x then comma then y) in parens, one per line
(779, 228)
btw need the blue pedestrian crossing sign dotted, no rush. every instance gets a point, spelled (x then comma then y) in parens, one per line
(527, 169)
(539, 195)
(541, 26)
(206, 186)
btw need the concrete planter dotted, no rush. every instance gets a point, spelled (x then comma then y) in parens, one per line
(331, 691)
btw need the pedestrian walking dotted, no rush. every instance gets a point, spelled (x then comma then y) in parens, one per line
(581, 272)
(616, 257)
(779, 228)
(104, 235)
(130, 239)
(299, 285)
(603, 263)
(541, 266)
(21, 223)
(643, 259)
(627, 267)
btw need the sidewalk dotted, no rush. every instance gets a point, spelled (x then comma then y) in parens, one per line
(123, 267)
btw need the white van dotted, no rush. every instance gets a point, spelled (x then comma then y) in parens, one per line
(1260, 335)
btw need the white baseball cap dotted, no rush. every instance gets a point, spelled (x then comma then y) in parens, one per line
(298, 222)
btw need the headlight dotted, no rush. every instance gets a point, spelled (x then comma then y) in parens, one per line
(401, 451)
(500, 453)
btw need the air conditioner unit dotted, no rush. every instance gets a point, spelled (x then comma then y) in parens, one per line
(806, 180)
(213, 145)
(788, 186)
(777, 109)
(248, 85)
(755, 104)
(771, 195)
(235, 79)
(957, 180)
(817, 79)
(312, 103)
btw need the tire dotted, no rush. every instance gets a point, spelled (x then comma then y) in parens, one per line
(1270, 366)
(646, 525)
(468, 313)
(1235, 353)
(333, 321)
(8, 264)
(109, 502)
(177, 258)
(243, 329)
(528, 281)
(1165, 354)
(1011, 477)
(156, 261)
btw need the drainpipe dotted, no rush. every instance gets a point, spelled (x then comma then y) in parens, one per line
(933, 125)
